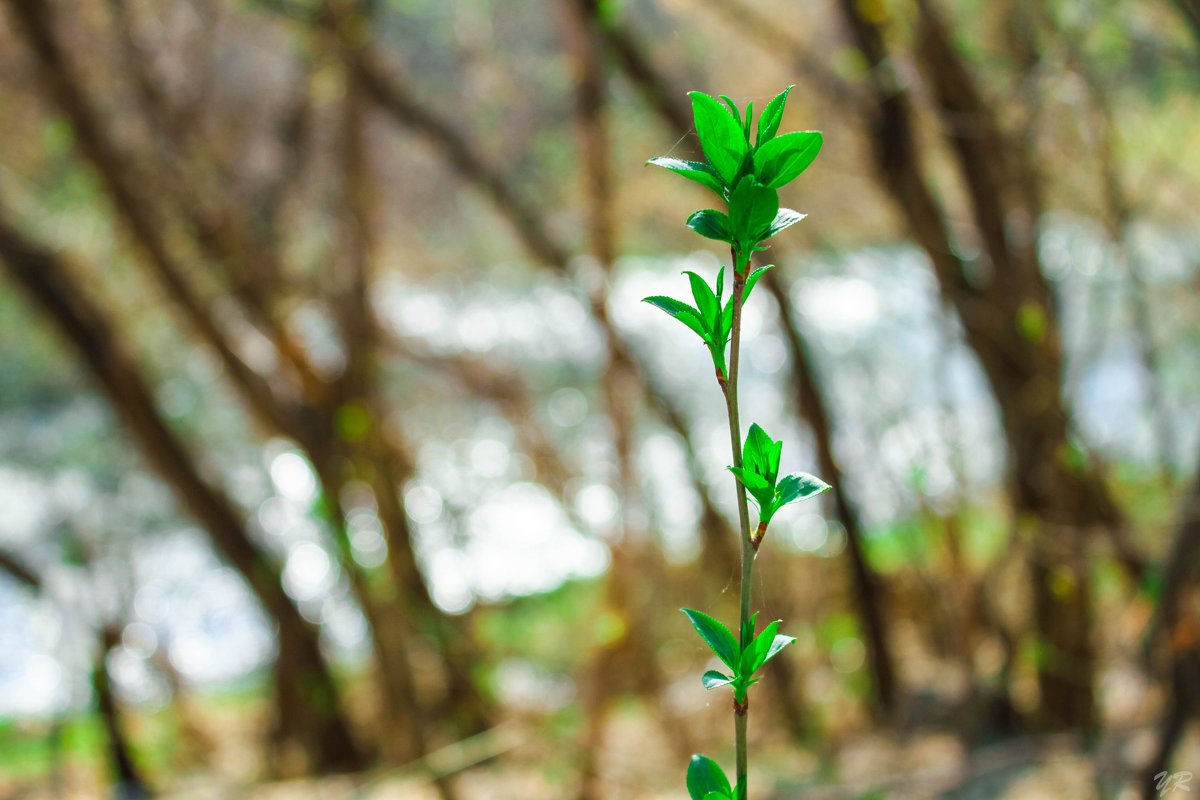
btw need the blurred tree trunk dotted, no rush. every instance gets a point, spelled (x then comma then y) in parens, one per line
(636, 558)
(1191, 12)
(1010, 319)
(1177, 622)
(869, 593)
(391, 93)
(308, 729)
(130, 785)
(1119, 219)
(129, 781)
(294, 401)
(375, 454)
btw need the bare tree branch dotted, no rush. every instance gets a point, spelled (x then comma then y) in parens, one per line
(321, 730)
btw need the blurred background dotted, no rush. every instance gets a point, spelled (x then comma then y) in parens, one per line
(339, 458)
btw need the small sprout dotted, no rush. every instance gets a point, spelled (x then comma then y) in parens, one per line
(759, 474)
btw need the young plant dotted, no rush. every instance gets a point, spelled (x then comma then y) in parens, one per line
(745, 172)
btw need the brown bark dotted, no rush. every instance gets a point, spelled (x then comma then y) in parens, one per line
(869, 593)
(1178, 623)
(308, 719)
(631, 555)
(403, 723)
(382, 457)
(126, 773)
(1010, 321)
(389, 91)
(1191, 12)
(18, 571)
(766, 31)
(142, 218)
(300, 405)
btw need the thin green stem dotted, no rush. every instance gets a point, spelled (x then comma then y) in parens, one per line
(735, 438)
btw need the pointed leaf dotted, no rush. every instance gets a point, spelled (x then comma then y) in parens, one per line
(712, 224)
(706, 301)
(786, 218)
(748, 628)
(720, 135)
(713, 679)
(749, 119)
(761, 492)
(755, 455)
(798, 487)
(777, 643)
(715, 635)
(752, 207)
(762, 643)
(773, 454)
(745, 663)
(781, 159)
(726, 322)
(753, 482)
(720, 283)
(704, 776)
(718, 796)
(697, 171)
(768, 123)
(733, 109)
(753, 279)
(680, 311)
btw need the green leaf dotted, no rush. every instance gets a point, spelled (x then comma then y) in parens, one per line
(682, 312)
(720, 283)
(752, 207)
(756, 454)
(712, 224)
(768, 123)
(798, 487)
(718, 796)
(720, 135)
(746, 664)
(704, 776)
(761, 492)
(726, 322)
(786, 218)
(697, 171)
(754, 483)
(753, 279)
(748, 628)
(777, 643)
(761, 643)
(773, 462)
(706, 301)
(715, 635)
(781, 159)
(749, 117)
(713, 679)
(737, 114)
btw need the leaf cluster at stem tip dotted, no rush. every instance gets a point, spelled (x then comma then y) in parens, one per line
(711, 318)
(744, 171)
(744, 657)
(759, 473)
